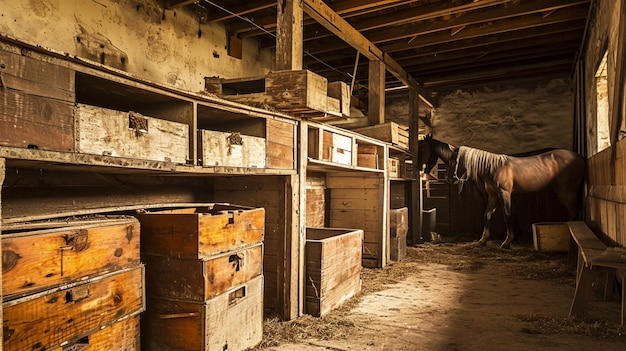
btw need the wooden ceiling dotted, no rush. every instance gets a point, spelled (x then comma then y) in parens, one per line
(442, 44)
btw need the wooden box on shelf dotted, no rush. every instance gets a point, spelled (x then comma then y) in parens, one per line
(367, 156)
(297, 90)
(232, 320)
(390, 132)
(107, 132)
(231, 149)
(201, 232)
(333, 267)
(36, 104)
(68, 313)
(36, 258)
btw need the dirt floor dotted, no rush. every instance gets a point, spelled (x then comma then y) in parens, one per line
(456, 296)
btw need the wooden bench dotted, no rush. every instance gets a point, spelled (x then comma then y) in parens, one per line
(593, 257)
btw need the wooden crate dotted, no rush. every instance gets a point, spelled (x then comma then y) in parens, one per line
(551, 236)
(123, 335)
(367, 156)
(280, 144)
(231, 149)
(102, 131)
(41, 258)
(230, 321)
(36, 104)
(398, 230)
(393, 168)
(333, 268)
(70, 312)
(200, 280)
(336, 148)
(341, 92)
(202, 232)
(297, 91)
(390, 132)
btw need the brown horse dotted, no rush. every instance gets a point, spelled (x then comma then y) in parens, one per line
(500, 175)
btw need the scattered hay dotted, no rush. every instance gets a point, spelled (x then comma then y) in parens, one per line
(521, 262)
(586, 326)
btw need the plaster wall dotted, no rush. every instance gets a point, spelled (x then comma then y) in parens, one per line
(140, 37)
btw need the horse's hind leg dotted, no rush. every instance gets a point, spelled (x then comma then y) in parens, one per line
(492, 201)
(506, 206)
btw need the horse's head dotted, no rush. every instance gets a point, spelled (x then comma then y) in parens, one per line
(426, 155)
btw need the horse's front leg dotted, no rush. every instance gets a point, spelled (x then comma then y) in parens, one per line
(505, 196)
(492, 201)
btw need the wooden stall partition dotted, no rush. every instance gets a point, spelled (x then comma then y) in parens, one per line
(360, 200)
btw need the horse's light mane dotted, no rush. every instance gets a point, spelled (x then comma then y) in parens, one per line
(480, 163)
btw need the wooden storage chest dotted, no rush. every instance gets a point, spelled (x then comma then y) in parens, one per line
(200, 280)
(123, 335)
(107, 132)
(231, 149)
(66, 314)
(333, 267)
(232, 320)
(39, 259)
(201, 232)
(551, 236)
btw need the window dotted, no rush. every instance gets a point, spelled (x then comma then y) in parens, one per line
(603, 127)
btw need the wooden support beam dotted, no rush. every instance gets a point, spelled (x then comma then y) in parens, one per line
(376, 99)
(2, 173)
(172, 4)
(289, 35)
(319, 11)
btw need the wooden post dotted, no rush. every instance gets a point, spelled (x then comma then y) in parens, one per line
(289, 35)
(416, 188)
(2, 173)
(303, 143)
(376, 99)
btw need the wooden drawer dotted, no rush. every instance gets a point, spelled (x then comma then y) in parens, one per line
(231, 149)
(35, 260)
(102, 131)
(333, 268)
(69, 313)
(200, 280)
(201, 233)
(230, 321)
(120, 336)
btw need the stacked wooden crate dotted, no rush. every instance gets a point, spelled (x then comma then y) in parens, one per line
(72, 285)
(298, 92)
(204, 278)
(390, 132)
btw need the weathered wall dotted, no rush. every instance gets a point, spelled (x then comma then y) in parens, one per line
(507, 118)
(138, 36)
(606, 200)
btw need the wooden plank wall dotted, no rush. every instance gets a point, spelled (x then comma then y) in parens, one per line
(315, 199)
(606, 199)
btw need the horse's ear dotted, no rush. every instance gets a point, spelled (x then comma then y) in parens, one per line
(428, 136)
(452, 147)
